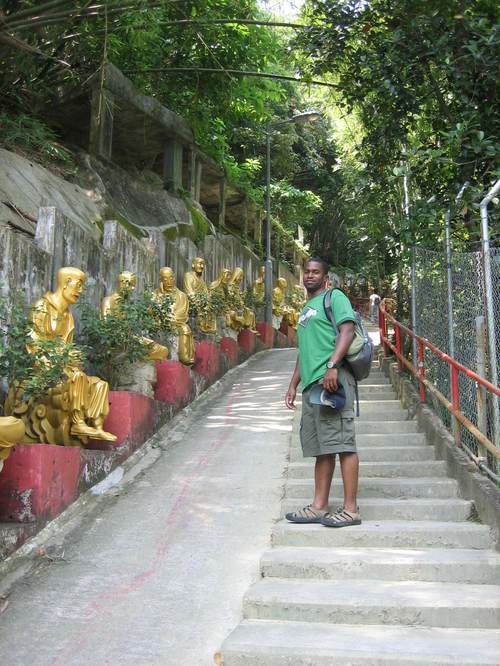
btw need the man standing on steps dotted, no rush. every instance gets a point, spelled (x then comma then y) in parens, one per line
(325, 431)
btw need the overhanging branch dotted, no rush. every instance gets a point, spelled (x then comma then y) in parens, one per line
(236, 72)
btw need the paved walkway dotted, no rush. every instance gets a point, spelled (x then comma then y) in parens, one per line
(158, 578)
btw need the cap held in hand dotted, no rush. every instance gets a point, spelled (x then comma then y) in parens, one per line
(320, 396)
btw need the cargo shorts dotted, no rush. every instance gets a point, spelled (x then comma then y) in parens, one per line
(323, 430)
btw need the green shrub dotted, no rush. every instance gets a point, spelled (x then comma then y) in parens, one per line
(32, 372)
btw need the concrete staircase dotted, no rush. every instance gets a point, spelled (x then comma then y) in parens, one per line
(416, 583)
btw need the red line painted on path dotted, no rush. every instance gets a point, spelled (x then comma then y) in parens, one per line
(81, 638)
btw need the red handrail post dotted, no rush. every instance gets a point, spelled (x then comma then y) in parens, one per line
(382, 330)
(455, 401)
(421, 370)
(397, 330)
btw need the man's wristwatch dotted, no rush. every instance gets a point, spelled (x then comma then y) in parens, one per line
(331, 365)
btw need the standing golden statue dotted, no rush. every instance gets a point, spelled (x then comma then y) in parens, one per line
(259, 287)
(75, 410)
(11, 433)
(297, 302)
(279, 293)
(180, 313)
(280, 306)
(244, 317)
(127, 283)
(195, 288)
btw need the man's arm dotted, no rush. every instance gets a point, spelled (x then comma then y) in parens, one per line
(342, 344)
(292, 389)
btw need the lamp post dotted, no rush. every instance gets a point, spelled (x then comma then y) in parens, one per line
(298, 118)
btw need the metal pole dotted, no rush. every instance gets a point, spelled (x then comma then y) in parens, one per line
(490, 315)
(449, 281)
(482, 414)
(413, 275)
(269, 262)
(449, 275)
(414, 301)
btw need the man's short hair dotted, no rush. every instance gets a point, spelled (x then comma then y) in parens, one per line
(318, 260)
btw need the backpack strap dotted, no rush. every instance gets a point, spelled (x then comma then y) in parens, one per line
(327, 304)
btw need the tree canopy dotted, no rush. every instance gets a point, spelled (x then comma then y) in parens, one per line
(412, 100)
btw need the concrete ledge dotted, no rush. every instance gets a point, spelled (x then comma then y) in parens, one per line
(472, 484)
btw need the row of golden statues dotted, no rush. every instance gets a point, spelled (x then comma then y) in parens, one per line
(75, 411)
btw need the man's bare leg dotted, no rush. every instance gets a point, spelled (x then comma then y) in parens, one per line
(323, 474)
(349, 465)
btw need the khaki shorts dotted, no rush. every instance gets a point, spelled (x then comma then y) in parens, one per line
(325, 431)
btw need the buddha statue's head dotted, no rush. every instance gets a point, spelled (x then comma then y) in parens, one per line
(167, 278)
(225, 276)
(281, 283)
(198, 265)
(70, 282)
(127, 281)
(237, 276)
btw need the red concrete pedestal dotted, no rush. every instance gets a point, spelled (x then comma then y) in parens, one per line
(291, 335)
(247, 341)
(38, 481)
(132, 417)
(174, 384)
(231, 351)
(266, 335)
(207, 363)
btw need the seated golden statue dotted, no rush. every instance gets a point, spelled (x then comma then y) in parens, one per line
(11, 433)
(243, 317)
(180, 312)
(127, 282)
(259, 287)
(220, 285)
(75, 410)
(194, 285)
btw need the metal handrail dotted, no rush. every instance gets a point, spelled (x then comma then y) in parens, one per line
(454, 406)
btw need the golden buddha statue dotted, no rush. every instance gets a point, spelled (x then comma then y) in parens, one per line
(76, 409)
(244, 317)
(194, 285)
(279, 292)
(11, 433)
(221, 283)
(127, 282)
(297, 302)
(280, 307)
(259, 287)
(180, 312)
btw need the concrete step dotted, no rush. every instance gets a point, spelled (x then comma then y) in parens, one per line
(375, 406)
(379, 469)
(382, 487)
(375, 389)
(415, 603)
(368, 412)
(431, 564)
(385, 534)
(370, 394)
(369, 426)
(388, 454)
(376, 508)
(268, 643)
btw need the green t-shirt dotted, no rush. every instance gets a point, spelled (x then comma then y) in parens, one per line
(317, 336)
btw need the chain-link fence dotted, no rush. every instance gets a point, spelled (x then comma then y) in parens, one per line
(467, 341)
